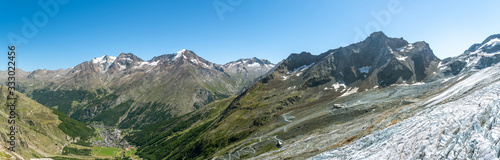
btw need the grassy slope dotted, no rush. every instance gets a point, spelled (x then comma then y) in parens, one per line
(37, 127)
(175, 138)
(44, 131)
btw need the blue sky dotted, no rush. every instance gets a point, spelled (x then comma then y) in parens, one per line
(81, 30)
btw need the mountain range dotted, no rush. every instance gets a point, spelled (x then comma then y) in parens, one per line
(128, 92)
(344, 103)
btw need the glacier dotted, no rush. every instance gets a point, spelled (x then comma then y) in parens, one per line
(462, 122)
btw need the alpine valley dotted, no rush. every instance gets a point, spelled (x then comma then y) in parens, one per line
(128, 92)
(381, 98)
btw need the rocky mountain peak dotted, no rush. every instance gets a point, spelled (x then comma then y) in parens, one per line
(377, 61)
(254, 61)
(378, 35)
(248, 70)
(297, 60)
(188, 54)
(183, 54)
(257, 60)
(492, 37)
(490, 44)
(128, 57)
(379, 39)
(123, 61)
(478, 56)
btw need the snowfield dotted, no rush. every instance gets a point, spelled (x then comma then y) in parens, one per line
(462, 122)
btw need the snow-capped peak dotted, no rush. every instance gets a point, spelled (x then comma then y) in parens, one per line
(493, 42)
(104, 62)
(182, 51)
(179, 54)
(103, 59)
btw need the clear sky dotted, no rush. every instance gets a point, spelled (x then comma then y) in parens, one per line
(270, 29)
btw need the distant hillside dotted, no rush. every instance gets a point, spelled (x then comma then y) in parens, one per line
(40, 131)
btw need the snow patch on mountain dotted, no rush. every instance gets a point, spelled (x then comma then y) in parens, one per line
(401, 58)
(301, 68)
(337, 86)
(128, 59)
(143, 64)
(195, 61)
(254, 64)
(405, 48)
(121, 67)
(365, 69)
(154, 63)
(350, 91)
(285, 77)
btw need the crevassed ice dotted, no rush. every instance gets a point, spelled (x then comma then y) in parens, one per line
(467, 128)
